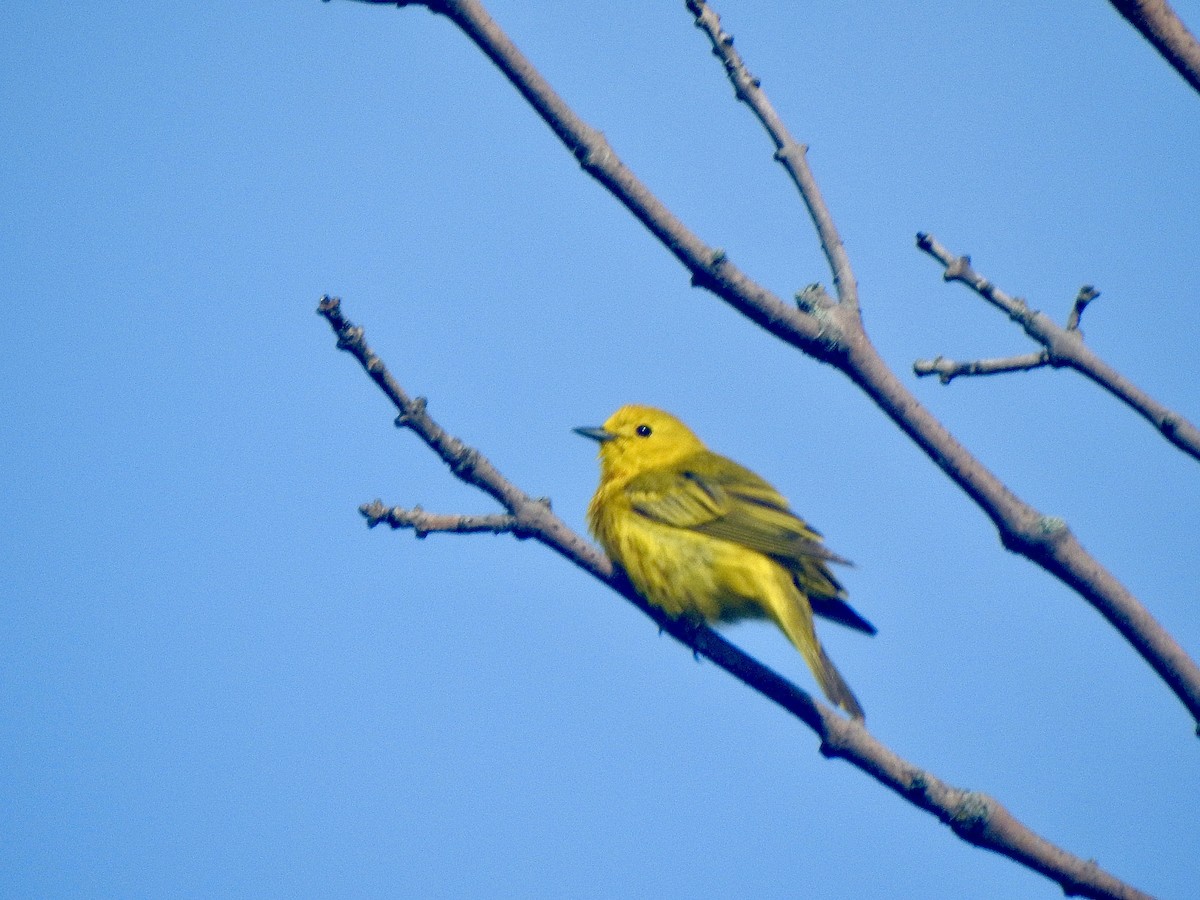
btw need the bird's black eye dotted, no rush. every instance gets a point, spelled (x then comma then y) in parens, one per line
(643, 431)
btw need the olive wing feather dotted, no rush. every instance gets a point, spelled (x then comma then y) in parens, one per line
(728, 502)
(717, 497)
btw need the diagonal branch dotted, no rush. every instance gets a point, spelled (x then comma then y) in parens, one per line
(835, 335)
(709, 266)
(790, 153)
(1159, 24)
(1065, 346)
(973, 816)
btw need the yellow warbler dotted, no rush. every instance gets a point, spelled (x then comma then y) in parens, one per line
(699, 535)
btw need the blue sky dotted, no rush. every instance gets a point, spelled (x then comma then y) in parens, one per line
(217, 682)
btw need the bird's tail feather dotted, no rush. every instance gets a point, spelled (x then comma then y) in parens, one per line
(794, 616)
(835, 687)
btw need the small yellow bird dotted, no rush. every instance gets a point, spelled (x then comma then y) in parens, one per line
(699, 535)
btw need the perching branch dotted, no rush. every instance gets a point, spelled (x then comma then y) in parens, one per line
(1159, 24)
(974, 817)
(1065, 346)
(835, 335)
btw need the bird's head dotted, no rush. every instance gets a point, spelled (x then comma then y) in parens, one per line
(637, 439)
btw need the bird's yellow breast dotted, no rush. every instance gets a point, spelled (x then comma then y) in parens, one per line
(681, 571)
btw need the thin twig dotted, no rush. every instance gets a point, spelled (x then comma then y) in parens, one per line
(1159, 24)
(1086, 295)
(424, 523)
(973, 816)
(1065, 346)
(948, 369)
(789, 152)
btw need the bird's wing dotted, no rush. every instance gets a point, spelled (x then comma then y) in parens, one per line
(675, 498)
(730, 503)
(838, 610)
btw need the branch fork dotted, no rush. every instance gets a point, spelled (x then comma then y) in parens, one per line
(1063, 347)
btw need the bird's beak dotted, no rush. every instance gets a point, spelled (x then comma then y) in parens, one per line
(596, 434)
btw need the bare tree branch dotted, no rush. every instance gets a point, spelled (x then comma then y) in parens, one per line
(423, 523)
(1159, 24)
(835, 335)
(948, 369)
(973, 816)
(1086, 295)
(709, 266)
(1065, 346)
(790, 153)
